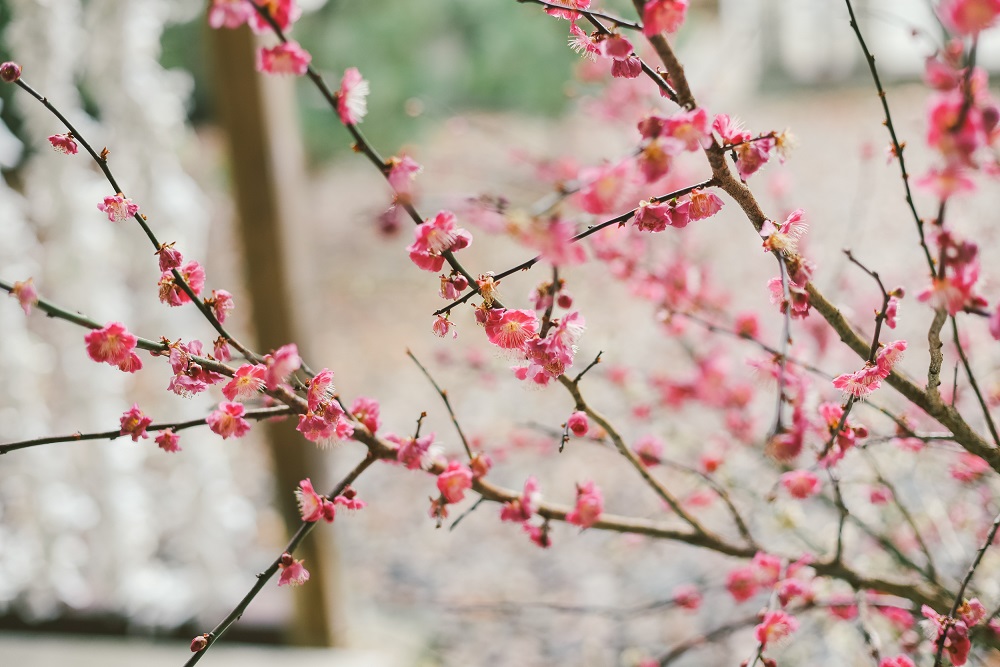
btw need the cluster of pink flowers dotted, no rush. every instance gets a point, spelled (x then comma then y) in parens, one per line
(969, 17)
(113, 344)
(953, 633)
(414, 453)
(171, 292)
(776, 626)
(863, 382)
(435, 237)
(801, 484)
(452, 482)
(953, 287)
(797, 302)
(751, 152)
(313, 506)
(831, 414)
(190, 377)
(326, 420)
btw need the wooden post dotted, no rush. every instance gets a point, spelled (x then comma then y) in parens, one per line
(266, 163)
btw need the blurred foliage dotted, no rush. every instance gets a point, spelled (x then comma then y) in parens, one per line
(426, 61)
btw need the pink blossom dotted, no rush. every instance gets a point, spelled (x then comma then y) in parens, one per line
(656, 217)
(901, 619)
(896, 661)
(113, 345)
(313, 506)
(973, 612)
(578, 424)
(892, 312)
(199, 643)
(968, 467)
(888, 356)
(946, 182)
(280, 364)
(776, 626)
(969, 17)
(220, 349)
(663, 16)
(582, 43)
(649, 448)
(285, 58)
(568, 13)
(413, 453)
(454, 482)
(64, 143)
(511, 329)
(169, 257)
(703, 204)
(730, 130)
(366, 411)
(604, 187)
(172, 294)
(349, 500)
(521, 509)
(25, 293)
(352, 98)
(550, 357)
(221, 303)
(860, 383)
(629, 68)
(443, 326)
(452, 286)
(955, 143)
(227, 420)
(292, 571)
(229, 13)
(690, 128)
(118, 208)
(134, 423)
(687, 596)
(480, 464)
(953, 635)
(168, 441)
(747, 325)
(402, 172)
(589, 506)
(246, 384)
(742, 583)
(801, 484)
(284, 13)
(880, 495)
(786, 237)
(189, 377)
(435, 237)
(538, 534)
(792, 589)
(767, 568)
(321, 390)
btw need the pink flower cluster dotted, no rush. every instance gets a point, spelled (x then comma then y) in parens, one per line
(227, 421)
(751, 152)
(953, 633)
(118, 207)
(313, 506)
(863, 382)
(589, 506)
(113, 344)
(953, 287)
(435, 237)
(171, 292)
(134, 423)
(325, 420)
(190, 377)
(521, 509)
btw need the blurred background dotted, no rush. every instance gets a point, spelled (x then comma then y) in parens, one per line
(257, 180)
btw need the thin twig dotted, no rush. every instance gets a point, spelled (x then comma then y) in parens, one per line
(447, 403)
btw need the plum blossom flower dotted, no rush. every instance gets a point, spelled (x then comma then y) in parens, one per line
(413, 453)
(10, 72)
(246, 383)
(604, 187)
(348, 499)
(221, 303)
(113, 344)
(366, 411)
(118, 207)
(663, 16)
(776, 626)
(171, 292)
(687, 596)
(402, 172)
(434, 237)
(293, 573)
(442, 326)
(649, 449)
(511, 329)
(134, 423)
(220, 349)
(313, 506)
(568, 13)
(168, 441)
(896, 661)
(286, 58)
(578, 424)
(860, 383)
(969, 17)
(550, 357)
(284, 13)
(64, 143)
(229, 13)
(280, 364)
(169, 257)
(800, 484)
(654, 216)
(589, 506)
(352, 98)
(189, 377)
(521, 509)
(742, 583)
(951, 633)
(786, 237)
(227, 420)
(454, 482)
(583, 43)
(25, 293)
(703, 204)
(553, 238)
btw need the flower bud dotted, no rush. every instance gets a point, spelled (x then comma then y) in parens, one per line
(199, 643)
(10, 72)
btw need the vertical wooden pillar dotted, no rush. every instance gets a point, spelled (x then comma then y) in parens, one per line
(265, 159)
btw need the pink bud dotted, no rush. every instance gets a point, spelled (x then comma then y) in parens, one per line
(199, 643)
(578, 424)
(10, 72)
